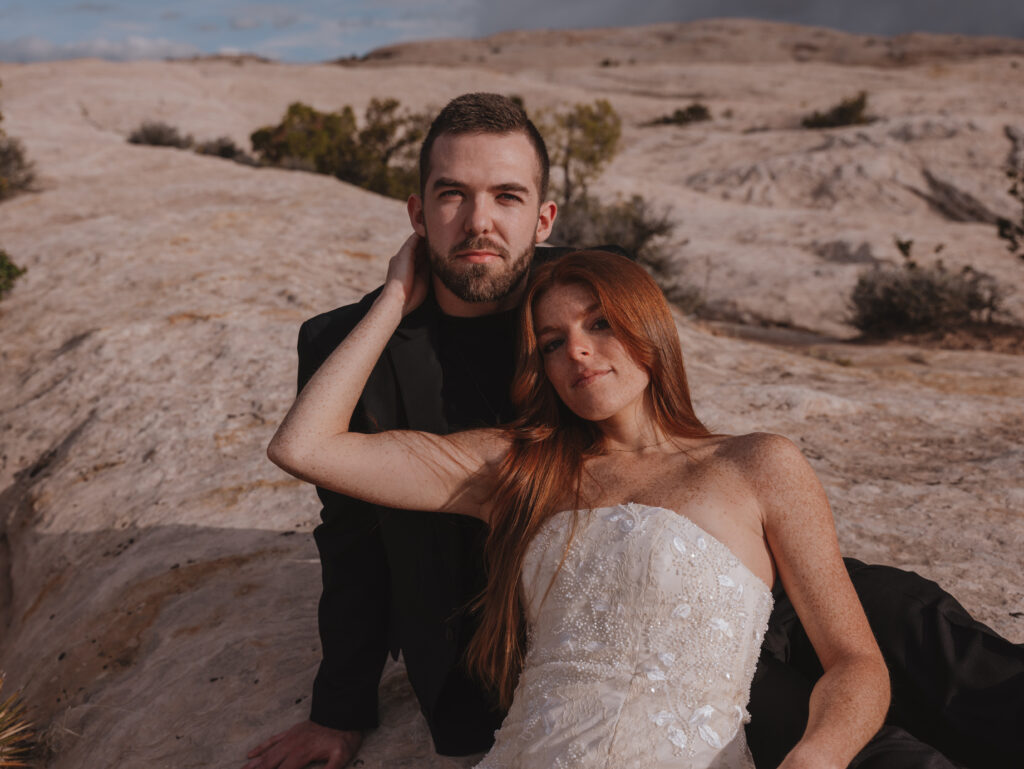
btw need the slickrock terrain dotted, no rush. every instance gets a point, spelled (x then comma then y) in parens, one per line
(158, 580)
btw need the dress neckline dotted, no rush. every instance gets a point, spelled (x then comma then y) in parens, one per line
(702, 531)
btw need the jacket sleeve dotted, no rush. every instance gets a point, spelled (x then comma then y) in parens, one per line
(355, 603)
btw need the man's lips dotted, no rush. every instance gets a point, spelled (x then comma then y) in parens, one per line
(584, 378)
(477, 256)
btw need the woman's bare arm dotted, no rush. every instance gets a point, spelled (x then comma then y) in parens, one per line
(849, 702)
(405, 469)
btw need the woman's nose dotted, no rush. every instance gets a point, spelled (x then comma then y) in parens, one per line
(578, 349)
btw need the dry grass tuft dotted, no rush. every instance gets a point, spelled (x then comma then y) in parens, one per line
(15, 731)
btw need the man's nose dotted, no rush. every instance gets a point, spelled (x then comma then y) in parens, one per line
(479, 218)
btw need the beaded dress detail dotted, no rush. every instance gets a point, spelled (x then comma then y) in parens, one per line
(642, 652)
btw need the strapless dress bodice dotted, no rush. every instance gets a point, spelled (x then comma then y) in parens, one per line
(642, 640)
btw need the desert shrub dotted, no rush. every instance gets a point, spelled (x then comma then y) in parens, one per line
(694, 113)
(581, 142)
(638, 227)
(909, 298)
(9, 272)
(222, 147)
(847, 112)
(380, 156)
(15, 731)
(633, 224)
(159, 134)
(1009, 230)
(16, 172)
(225, 147)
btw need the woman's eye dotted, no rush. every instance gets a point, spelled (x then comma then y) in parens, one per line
(601, 323)
(550, 346)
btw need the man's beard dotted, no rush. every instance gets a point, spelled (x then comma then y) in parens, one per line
(487, 282)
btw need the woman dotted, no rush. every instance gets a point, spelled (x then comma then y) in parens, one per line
(633, 547)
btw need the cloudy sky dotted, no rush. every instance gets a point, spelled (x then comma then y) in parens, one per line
(315, 30)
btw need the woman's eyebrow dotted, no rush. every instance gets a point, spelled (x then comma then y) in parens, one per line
(549, 329)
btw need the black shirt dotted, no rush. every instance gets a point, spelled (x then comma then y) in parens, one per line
(477, 356)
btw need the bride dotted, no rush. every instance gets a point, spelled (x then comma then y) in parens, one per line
(631, 551)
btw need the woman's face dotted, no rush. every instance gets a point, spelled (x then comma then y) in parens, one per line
(589, 368)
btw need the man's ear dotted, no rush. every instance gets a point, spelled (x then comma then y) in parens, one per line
(545, 220)
(415, 208)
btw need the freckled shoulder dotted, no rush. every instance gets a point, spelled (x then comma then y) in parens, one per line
(772, 465)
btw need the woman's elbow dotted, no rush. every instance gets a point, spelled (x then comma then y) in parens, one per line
(875, 677)
(287, 455)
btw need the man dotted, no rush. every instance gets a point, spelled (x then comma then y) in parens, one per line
(400, 581)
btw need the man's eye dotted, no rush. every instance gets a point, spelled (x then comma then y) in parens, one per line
(510, 197)
(449, 193)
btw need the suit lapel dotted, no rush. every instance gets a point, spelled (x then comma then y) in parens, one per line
(413, 354)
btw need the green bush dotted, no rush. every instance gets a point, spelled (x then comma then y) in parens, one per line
(221, 147)
(16, 172)
(9, 272)
(694, 113)
(581, 143)
(847, 112)
(887, 301)
(637, 227)
(1009, 230)
(381, 156)
(225, 147)
(159, 134)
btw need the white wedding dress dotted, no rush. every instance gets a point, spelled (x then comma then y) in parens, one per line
(642, 652)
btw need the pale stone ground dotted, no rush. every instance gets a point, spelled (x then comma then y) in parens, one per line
(159, 581)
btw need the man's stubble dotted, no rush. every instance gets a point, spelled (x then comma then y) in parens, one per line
(480, 282)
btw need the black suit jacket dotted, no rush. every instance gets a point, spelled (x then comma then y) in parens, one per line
(397, 580)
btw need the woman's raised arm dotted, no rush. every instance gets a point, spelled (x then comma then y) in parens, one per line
(405, 469)
(849, 702)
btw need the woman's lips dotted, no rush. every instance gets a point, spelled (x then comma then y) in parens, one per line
(586, 377)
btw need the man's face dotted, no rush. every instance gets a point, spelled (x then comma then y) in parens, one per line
(481, 215)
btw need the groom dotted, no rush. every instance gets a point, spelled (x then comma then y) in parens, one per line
(398, 581)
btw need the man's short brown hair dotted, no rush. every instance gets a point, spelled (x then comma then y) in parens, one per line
(489, 113)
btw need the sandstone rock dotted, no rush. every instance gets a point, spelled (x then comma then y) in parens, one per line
(159, 582)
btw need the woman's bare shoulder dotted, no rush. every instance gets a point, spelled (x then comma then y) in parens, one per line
(766, 460)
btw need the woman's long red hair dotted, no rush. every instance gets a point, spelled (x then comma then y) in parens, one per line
(550, 443)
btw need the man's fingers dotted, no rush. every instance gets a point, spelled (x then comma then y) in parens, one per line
(337, 760)
(264, 746)
(297, 760)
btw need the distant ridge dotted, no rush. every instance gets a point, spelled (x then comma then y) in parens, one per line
(731, 40)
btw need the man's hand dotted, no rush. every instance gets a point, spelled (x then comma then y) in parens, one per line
(303, 744)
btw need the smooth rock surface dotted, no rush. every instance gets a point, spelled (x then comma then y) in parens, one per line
(158, 580)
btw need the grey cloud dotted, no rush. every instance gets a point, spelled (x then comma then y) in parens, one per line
(245, 22)
(170, 15)
(276, 16)
(28, 49)
(980, 17)
(92, 7)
